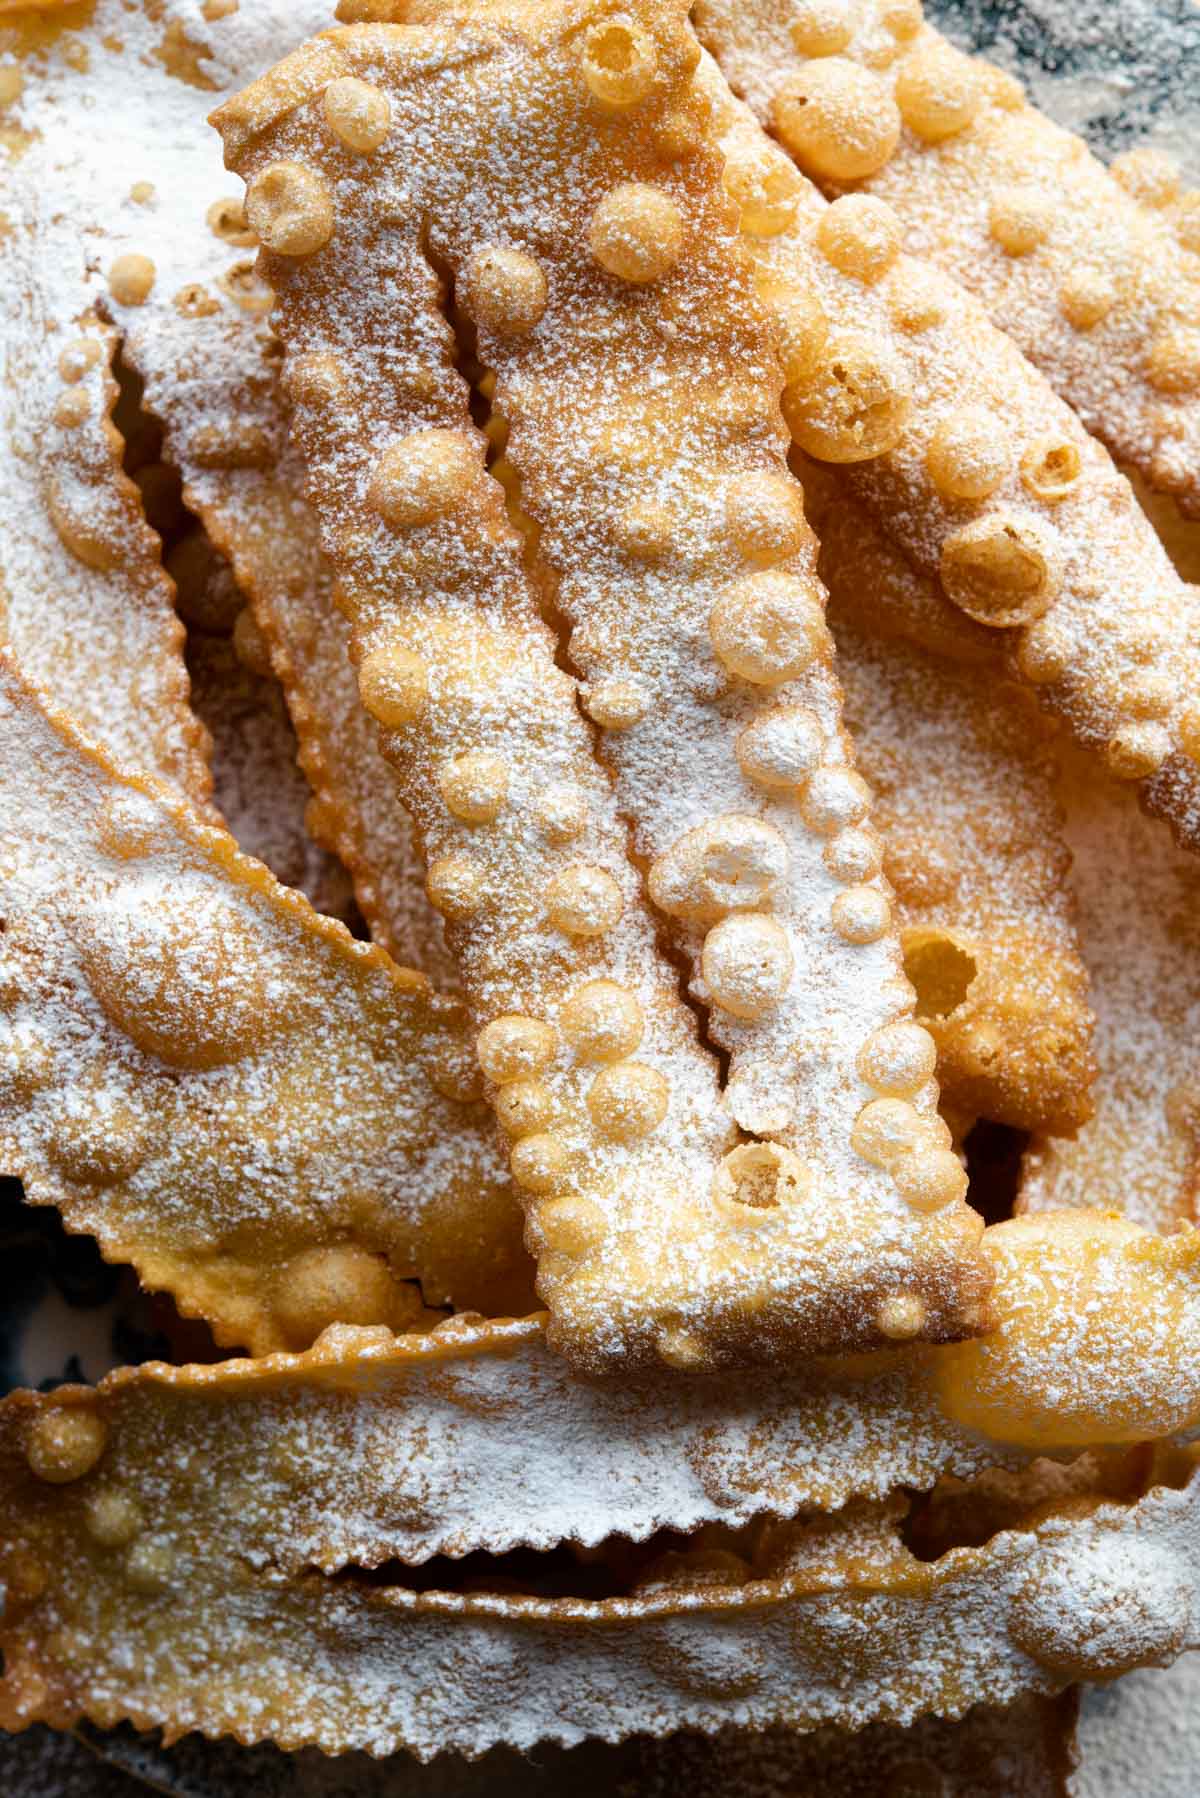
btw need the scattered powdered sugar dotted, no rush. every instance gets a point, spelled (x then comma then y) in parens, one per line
(1137, 901)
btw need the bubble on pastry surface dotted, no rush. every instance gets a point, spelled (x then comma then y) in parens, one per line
(916, 299)
(290, 209)
(628, 1101)
(903, 18)
(1173, 361)
(1087, 296)
(969, 454)
(769, 627)
(764, 186)
(929, 1178)
(645, 530)
(1020, 219)
(539, 1162)
(1096, 1610)
(226, 219)
(861, 236)
(358, 113)
(131, 279)
(504, 291)
(861, 915)
(853, 856)
(515, 1047)
(901, 1316)
(801, 328)
(455, 885)
(1051, 468)
(747, 963)
(617, 704)
(474, 786)
(179, 973)
(80, 355)
(937, 91)
(735, 862)
(820, 27)
(619, 63)
(572, 1226)
(72, 408)
(562, 812)
(128, 824)
(764, 515)
(885, 1130)
(1137, 750)
(603, 1021)
(317, 379)
(393, 685)
(834, 798)
(102, 1138)
(1149, 694)
(1000, 569)
(339, 1283)
(424, 477)
(524, 1106)
(898, 1059)
(636, 233)
(761, 1176)
(584, 901)
(837, 119)
(856, 405)
(113, 1517)
(64, 1444)
(780, 748)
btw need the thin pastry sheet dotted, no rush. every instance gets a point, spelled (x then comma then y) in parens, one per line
(220, 1085)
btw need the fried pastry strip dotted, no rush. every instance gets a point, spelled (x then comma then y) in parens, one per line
(175, 273)
(220, 1085)
(595, 222)
(1092, 272)
(119, 1610)
(1139, 905)
(370, 1448)
(969, 461)
(84, 603)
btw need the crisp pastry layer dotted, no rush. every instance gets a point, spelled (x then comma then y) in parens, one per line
(268, 1119)
(1093, 272)
(659, 1232)
(118, 1612)
(1137, 901)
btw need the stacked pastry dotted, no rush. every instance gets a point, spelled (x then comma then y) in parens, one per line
(724, 885)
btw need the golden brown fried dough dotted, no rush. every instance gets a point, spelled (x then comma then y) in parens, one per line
(270, 1120)
(670, 536)
(964, 455)
(1093, 273)
(121, 1609)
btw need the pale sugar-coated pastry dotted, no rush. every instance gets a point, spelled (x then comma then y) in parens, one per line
(588, 244)
(964, 455)
(119, 156)
(1138, 903)
(356, 1450)
(1093, 272)
(268, 1119)
(84, 602)
(257, 785)
(121, 1608)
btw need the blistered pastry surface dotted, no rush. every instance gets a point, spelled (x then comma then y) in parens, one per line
(121, 159)
(967, 458)
(1094, 273)
(224, 1088)
(835, 1621)
(799, 988)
